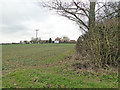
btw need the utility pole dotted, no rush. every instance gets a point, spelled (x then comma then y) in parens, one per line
(36, 33)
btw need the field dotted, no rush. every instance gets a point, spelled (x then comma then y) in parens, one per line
(48, 66)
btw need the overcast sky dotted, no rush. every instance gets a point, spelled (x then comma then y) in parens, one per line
(20, 18)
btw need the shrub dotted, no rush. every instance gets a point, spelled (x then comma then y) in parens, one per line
(101, 43)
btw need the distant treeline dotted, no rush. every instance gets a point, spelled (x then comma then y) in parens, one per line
(8, 43)
(36, 43)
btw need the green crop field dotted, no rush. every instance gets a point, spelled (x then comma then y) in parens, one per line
(46, 66)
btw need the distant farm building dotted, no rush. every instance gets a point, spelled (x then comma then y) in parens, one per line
(64, 40)
(57, 40)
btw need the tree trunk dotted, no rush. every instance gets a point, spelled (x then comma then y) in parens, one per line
(92, 15)
(119, 34)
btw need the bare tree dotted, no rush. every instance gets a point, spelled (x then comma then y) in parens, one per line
(35, 40)
(83, 13)
(65, 39)
(107, 10)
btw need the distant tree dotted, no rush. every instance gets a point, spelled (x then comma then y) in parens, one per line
(35, 40)
(20, 42)
(46, 41)
(39, 40)
(26, 42)
(50, 40)
(65, 39)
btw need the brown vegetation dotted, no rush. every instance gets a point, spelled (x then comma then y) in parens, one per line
(100, 44)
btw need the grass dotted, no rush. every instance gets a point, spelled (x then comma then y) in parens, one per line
(45, 66)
